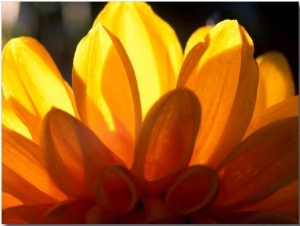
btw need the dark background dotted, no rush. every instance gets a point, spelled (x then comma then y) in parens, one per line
(271, 25)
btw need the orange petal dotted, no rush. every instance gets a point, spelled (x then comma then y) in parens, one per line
(196, 37)
(116, 190)
(69, 212)
(270, 217)
(11, 120)
(262, 164)
(275, 81)
(157, 212)
(106, 91)
(32, 83)
(9, 201)
(151, 44)
(285, 109)
(23, 173)
(192, 189)
(97, 215)
(284, 200)
(167, 138)
(223, 75)
(74, 155)
(32, 214)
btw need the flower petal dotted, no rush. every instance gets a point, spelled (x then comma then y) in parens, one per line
(116, 190)
(167, 138)
(275, 81)
(106, 91)
(23, 173)
(192, 189)
(285, 109)
(9, 201)
(262, 164)
(75, 160)
(223, 75)
(32, 83)
(69, 212)
(97, 215)
(196, 37)
(270, 217)
(157, 212)
(151, 44)
(32, 214)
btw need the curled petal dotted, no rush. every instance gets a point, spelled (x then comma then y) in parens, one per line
(192, 189)
(116, 190)
(275, 81)
(224, 76)
(99, 215)
(263, 163)
(25, 214)
(74, 155)
(23, 173)
(282, 110)
(196, 37)
(156, 211)
(151, 44)
(106, 91)
(69, 212)
(32, 83)
(167, 138)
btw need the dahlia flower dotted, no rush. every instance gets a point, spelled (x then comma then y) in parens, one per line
(147, 134)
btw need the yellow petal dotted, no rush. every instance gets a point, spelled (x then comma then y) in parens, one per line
(223, 75)
(275, 81)
(11, 120)
(192, 189)
(106, 91)
(31, 82)
(23, 173)
(151, 44)
(116, 190)
(262, 164)
(196, 37)
(285, 109)
(74, 155)
(167, 137)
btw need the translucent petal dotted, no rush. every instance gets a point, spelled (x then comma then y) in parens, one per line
(275, 80)
(116, 190)
(23, 173)
(196, 37)
(167, 137)
(192, 189)
(9, 201)
(32, 214)
(282, 110)
(223, 75)
(262, 164)
(106, 91)
(151, 44)
(69, 212)
(31, 82)
(73, 161)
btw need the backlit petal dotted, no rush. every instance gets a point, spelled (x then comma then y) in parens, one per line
(74, 155)
(22, 167)
(263, 163)
(196, 37)
(31, 82)
(32, 214)
(282, 110)
(275, 81)
(167, 137)
(223, 75)
(9, 200)
(116, 190)
(151, 44)
(192, 189)
(69, 212)
(106, 91)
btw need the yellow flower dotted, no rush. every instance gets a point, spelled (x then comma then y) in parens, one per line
(148, 134)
